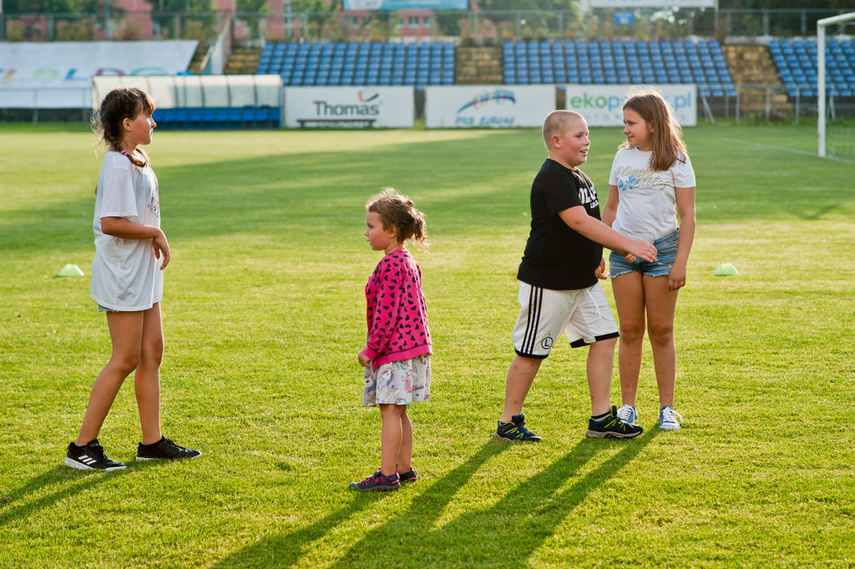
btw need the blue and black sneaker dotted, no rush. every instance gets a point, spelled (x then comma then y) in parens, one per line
(515, 431)
(609, 426)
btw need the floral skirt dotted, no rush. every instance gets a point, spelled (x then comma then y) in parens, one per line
(398, 383)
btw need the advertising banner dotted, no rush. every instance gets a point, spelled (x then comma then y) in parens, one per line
(405, 4)
(601, 104)
(59, 74)
(488, 106)
(349, 107)
(652, 3)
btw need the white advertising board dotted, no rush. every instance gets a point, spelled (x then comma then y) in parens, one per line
(349, 107)
(601, 104)
(488, 106)
(59, 74)
(652, 3)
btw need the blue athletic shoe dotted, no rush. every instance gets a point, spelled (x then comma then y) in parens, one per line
(515, 431)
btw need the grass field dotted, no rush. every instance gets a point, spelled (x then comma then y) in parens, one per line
(264, 316)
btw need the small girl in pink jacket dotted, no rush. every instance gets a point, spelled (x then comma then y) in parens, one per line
(397, 354)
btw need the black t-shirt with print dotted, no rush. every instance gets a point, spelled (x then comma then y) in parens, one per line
(557, 257)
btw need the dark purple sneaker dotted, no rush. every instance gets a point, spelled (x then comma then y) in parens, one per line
(377, 482)
(410, 476)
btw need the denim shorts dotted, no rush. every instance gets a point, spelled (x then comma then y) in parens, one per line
(666, 251)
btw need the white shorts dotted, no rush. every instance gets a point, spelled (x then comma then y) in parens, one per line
(584, 315)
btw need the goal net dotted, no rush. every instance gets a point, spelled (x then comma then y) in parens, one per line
(836, 86)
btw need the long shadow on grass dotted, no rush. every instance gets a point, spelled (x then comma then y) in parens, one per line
(286, 550)
(15, 506)
(505, 535)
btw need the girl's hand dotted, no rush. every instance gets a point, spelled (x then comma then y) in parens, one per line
(364, 360)
(677, 278)
(161, 246)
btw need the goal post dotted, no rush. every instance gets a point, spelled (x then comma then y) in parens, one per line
(822, 96)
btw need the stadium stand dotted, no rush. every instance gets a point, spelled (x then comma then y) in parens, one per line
(797, 65)
(619, 62)
(356, 63)
(205, 102)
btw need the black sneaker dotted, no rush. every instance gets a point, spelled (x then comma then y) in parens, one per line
(90, 457)
(165, 448)
(377, 482)
(515, 431)
(612, 427)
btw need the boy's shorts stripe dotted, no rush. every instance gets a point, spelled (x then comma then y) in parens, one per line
(535, 306)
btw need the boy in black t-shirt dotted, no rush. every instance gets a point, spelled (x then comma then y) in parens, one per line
(558, 276)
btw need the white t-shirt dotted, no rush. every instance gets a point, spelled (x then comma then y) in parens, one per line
(126, 275)
(647, 198)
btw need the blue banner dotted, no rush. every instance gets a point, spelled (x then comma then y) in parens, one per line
(405, 4)
(624, 18)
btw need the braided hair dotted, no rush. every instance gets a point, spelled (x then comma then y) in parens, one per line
(118, 105)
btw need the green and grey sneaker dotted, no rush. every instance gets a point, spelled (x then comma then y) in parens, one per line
(515, 431)
(610, 427)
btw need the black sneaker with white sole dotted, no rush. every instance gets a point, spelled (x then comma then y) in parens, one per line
(90, 457)
(165, 449)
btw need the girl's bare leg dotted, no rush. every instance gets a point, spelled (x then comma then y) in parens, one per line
(147, 377)
(630, 302)
(661, 305)
(391, 436)
(126, 330)
(405, 454)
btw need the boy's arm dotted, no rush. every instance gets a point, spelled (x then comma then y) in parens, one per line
(578, 220)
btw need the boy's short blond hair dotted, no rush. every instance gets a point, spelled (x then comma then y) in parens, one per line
(558, 123)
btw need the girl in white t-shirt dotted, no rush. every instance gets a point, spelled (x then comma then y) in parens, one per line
(651, 184)
(127, 282)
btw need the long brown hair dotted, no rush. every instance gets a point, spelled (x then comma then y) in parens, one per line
(399, 212)
(666, 140)
(118, 105)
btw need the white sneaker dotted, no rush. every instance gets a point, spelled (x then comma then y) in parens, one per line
(668, 419)
(627, 414)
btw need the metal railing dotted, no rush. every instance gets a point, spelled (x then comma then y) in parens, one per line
(488, 26)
